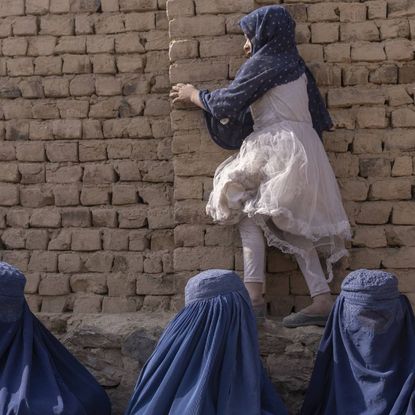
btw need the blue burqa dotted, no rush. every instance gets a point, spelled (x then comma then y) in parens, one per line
(366, 360)
(207, 361)
(275, 61)
(38, 376)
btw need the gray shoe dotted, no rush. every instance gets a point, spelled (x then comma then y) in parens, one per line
(301, 320)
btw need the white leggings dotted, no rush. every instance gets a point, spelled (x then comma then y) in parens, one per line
(253, 245)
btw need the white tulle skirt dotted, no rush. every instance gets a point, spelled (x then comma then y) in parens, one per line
(282, 178)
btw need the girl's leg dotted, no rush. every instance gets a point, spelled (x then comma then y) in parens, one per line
(317, 284)
(253, 246)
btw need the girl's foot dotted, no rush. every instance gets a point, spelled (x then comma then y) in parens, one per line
(301, 320)
(315, 314)
(321, 305)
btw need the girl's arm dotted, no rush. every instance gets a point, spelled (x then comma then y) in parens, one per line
(186, 92)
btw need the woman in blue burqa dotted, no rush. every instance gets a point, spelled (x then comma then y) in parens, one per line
(38, 376)
(366, 360)
(280, 184)
(207, 361)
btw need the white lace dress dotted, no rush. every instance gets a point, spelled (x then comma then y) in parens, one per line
(282, 178)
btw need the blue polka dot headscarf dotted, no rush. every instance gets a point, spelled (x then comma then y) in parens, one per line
(275, 61)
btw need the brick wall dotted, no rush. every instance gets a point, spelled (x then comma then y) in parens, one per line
(362, 56)
(86, 179)
(103, 185)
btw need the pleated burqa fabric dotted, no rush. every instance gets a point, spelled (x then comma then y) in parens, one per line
(366, 360)
(38, 375)
(207, 361)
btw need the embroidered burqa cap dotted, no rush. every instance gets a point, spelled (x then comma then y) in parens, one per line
(366, 359)
(207, 361)
(38, 376)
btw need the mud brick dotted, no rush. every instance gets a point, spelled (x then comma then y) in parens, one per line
(11, 8)
(69, 263)
(197, 26)
(155, 284)
(32, 282)
(91, 129)
(66, 195)
(124, 194)
(9, 172)
(9, 194)
(132, 217)
(115, 240)
(183, 49)
(54, 304)
(98, 174)
(120, 285)
(31, 88)
(402, 166)
(64, 174)
(61, 151)
(43, 261)
(14, 46)
(129, 43)
(13, 238)
(370, 237)
(35, 196)
(89, 283)
(45, 109)
(17, 218)
(109, 24)
(60, 241)
(403, 213)
(140, 22)
(7, 151)
(71, 44)
(377, 9)
(374, 167)
(98, 261)
(20, 67)
(31, 173)
(92, 151)
(368, 52)
(87, 303)
(45, 218)
(399, 49)
(17, 130)
(362, 31)
(323, 12)
(391, 189)
(95, 195)
(78, 217)
(104, 218)
(76, 64)
(84, 25)
(108, 85)
(56, 87)
(138, 240)
(37, 6)
(55, 284)
(86, 240)
(41, 46)
(56, 25)
(82, 85)
(188, 235)
(66, 129)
